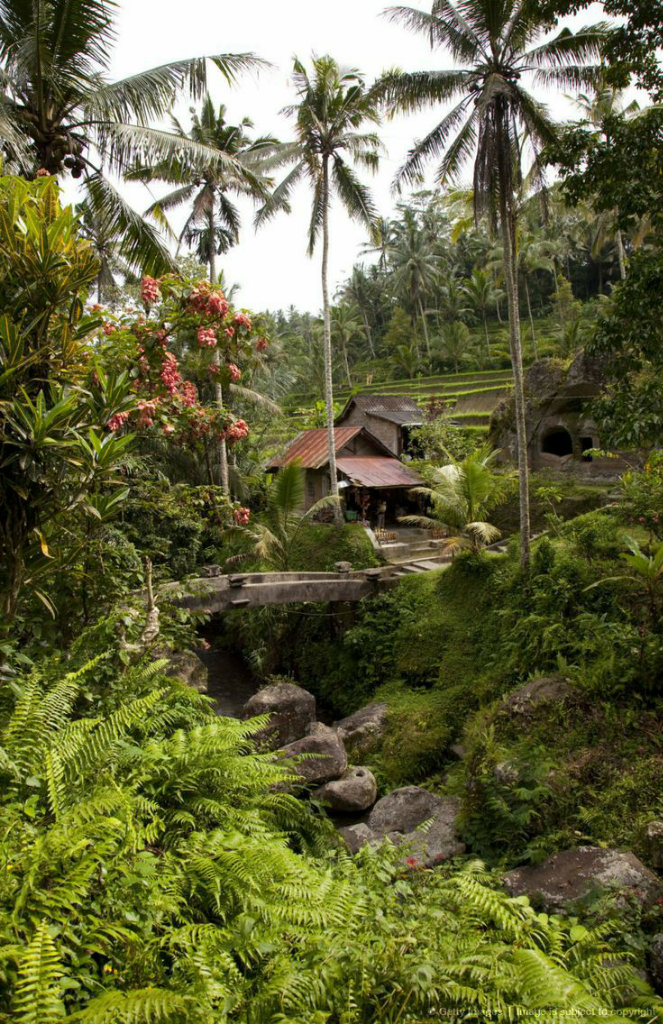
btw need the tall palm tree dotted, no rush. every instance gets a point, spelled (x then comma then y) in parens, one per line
(360, 290)
(415, 266)
(60, 113)
(100, 233)
(346, 328)
(334, 105)
(481, 293)
(597, 108)
(492, 42)
(213, 223)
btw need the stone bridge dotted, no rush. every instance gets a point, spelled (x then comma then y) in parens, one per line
(220, 593)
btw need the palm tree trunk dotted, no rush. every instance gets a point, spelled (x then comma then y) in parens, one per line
(620, 254)
(369, 333)
(485, 330)
(329, 385)
(216, 359)
(511, 276)
(424, 325)
(531, 321)
(347, 364)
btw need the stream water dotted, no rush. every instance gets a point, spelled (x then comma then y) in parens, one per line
(230, 683)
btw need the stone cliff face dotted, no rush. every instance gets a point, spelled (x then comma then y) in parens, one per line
(559, 424)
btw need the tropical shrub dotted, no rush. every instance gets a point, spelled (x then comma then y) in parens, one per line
(59, 461)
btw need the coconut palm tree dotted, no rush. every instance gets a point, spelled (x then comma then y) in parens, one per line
(456, 342)
(100, 233)
(60, 113)
(461, 496)
(332, 109)
(482, 294)
(493, 44)
(360, 289)
(213, 223)
(416, 267)
(346, 328)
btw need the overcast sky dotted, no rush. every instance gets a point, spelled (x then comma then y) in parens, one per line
(272, 267)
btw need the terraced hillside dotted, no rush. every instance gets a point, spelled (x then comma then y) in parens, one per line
(467, 398)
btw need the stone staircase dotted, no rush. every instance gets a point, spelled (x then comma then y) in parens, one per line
(413, 552)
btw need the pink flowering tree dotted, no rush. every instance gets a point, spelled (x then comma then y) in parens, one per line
(187, 338)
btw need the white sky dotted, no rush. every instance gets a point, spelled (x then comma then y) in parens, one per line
(272, 267)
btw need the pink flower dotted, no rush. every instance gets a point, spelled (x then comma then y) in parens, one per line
(116, 421)
(199, 297)
(242, 320)
(149, 290)
(262, 344)
(188, 394)
(237, 431)
(242, 516)
(108, 327)
(230, 332)
(168, 428)
(234, 371)
(206, 337)
(217, 305)
(170, 375)
(412, 862)
(213, 369)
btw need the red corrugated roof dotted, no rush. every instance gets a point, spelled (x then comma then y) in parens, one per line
(377, 471)
(311, 447)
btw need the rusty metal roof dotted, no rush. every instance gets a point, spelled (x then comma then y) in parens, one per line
(377, 471)
(310, 447)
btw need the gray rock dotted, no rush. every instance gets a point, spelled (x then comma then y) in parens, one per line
(187, 666)
(362, 732)
(654, 843)
(329, 762)
(656, 962)
(528, 698)
(569, 875)
(356, 790)
(292, 710)
(458, 750)
(357, 836)
(399, 816)
(506, 773)
(403, 810)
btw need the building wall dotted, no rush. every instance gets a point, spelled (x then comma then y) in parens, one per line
(388, 433)
(316, 486)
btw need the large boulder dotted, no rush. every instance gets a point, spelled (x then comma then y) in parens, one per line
(362, 732)
(355, 791)
(403, 810)
(328, 761)
(529, 698)
(399, 816)
(187, 666)
(292, 711)
(569, 875)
